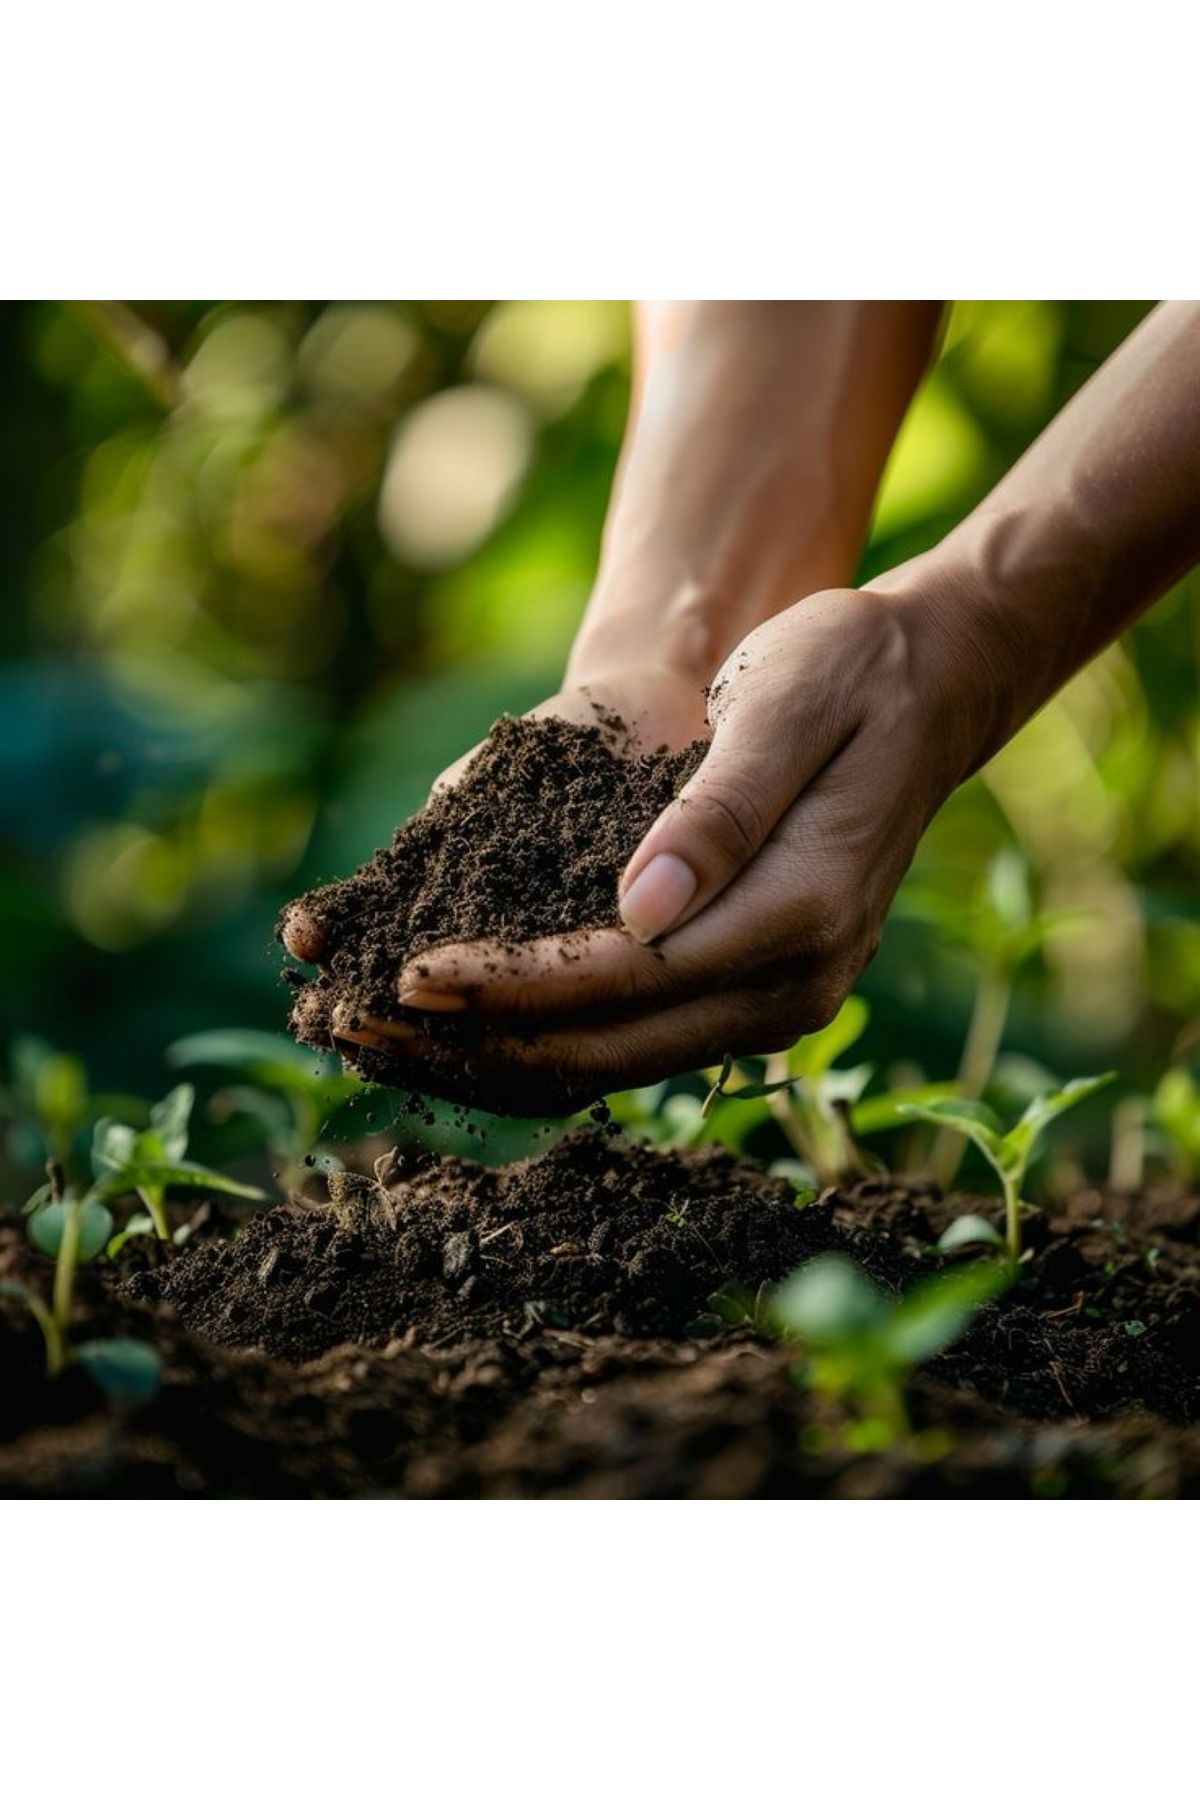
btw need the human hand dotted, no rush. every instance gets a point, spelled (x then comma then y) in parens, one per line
(839, 727)
(660, 704)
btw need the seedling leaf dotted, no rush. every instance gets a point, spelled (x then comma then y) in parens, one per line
(937, 1311)
(967, 1229)
(125, 1369)
(170, 1118)
(827, 1300)
(95, 1227)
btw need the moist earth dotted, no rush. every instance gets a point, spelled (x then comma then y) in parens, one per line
(529, 843)
(545, 1329)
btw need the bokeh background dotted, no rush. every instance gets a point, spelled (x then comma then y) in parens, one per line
(268, 567)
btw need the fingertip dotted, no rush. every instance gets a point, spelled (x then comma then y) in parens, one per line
(301, 934)
(658, 896)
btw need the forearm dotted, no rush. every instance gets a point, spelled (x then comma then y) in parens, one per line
(756, 440)
(1095, 521)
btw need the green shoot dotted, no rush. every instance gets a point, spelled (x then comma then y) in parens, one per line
(147, 1163)
(861, 1346)
(293, 1092)
(999, 934)
(1008, 1152)
(72, 1231)
(1175, 1110)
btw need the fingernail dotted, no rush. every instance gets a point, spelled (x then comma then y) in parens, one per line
(652, 903)
(427, 999)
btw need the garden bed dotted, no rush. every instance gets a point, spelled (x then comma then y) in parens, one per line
(548, 1329)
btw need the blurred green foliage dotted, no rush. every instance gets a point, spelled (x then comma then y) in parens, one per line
(268, 567)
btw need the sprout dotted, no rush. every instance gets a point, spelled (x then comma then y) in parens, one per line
(861, 1346)
(1008, 1152)
(147, 1163)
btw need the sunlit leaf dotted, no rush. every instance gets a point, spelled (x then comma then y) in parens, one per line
(967, 1229)
(170, 1118)
(935, 1312)
(826, 1300)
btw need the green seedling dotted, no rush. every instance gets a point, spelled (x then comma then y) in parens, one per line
(147, 1163)
(860, 1346)
(998, 934)
(291, 1092)
(1175, 1111)
(75, 1230)
(1007, 1151)
(48, 1102)
(819, 1108)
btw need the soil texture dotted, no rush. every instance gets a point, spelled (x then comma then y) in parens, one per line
(545, 1329)
(529, 843)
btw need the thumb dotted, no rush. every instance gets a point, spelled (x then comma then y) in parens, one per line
(767, 745)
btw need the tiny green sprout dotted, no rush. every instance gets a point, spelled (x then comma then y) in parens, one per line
(861, 1346)
(147, 1163)
(74, 1230)
(1008, 1152)
(291, 1091)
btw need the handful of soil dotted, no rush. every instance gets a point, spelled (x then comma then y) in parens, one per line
(529, 843)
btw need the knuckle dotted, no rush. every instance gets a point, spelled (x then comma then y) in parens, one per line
(728, 815)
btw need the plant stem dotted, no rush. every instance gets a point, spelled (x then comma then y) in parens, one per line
(1012, 1217)
(152, 1200)
(64, 1268)
(55, 1353)
(985, 1032)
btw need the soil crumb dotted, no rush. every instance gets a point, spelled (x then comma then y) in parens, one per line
(530, 842)
(594, 1235)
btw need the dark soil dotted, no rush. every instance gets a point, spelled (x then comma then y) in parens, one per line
(530, 843)
(545, 1330)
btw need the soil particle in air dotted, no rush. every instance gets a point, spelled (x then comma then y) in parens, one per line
(529, 843)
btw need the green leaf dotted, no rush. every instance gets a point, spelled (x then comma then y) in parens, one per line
(1007, 885)
(170, 1120)
(975, 1120)
(141, 1225)
(827, 1301)
(170, 1174)
(126, 1369)
(38, 1198)
(885, 1112)
(968, 1228)
(113, 1145)
(276, 1062)
(1018, 1143)
(758, 1090)
(1175, 1108)
(813, 1055)
(935, 1312)
(95, 1227)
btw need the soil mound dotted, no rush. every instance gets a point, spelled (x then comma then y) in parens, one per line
(597, 1234)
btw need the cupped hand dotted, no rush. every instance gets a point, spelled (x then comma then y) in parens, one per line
(753, 903)
(659, 704)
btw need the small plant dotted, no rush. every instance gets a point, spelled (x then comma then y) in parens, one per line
(1007, 1151)
(861, 1346)
(147, 1163)
(48, 1102)
(998, 934)
(819, 1108)
(73, 1230)
(1175, 1111)
(291, 1091)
